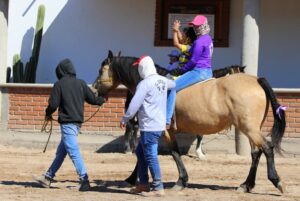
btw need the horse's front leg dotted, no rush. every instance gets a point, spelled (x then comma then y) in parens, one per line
(128, 135)
(170, 139)
(132, 179)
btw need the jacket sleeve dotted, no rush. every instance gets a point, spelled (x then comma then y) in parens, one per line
(136, 102)
(91, 98)
(54, 100)
(171, 84)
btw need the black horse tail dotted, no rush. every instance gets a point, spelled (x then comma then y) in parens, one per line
(278, 113)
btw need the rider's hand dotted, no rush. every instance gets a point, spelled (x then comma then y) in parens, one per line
(122, 125)
(176, 25)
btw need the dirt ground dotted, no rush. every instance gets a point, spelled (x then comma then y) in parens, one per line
(214, 179)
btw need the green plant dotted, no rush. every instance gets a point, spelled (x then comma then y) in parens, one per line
(29, 74)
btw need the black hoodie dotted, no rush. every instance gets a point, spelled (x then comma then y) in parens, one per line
(69, 94)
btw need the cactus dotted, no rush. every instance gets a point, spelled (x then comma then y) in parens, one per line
(17, 69)
(29, 74)
(8, 73)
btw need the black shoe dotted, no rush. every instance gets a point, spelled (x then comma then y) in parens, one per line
(44, 181)
(84, 185)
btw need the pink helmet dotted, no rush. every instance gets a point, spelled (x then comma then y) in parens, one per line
(198, 20)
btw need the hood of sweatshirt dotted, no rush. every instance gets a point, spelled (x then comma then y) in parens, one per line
(146, 67)
(65, 68)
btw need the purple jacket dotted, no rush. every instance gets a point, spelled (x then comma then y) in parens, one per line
(201, 54)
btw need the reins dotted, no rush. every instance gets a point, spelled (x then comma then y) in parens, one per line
(46, 122)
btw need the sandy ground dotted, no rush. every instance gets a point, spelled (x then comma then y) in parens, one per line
(214, 179)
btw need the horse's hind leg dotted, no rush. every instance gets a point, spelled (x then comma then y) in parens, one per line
(268, 150)
(199, 150)
(183, 176)
(249, 184)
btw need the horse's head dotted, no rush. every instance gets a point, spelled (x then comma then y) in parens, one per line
(106, 80)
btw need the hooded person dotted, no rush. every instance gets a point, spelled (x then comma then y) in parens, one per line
(68, 95)
(149, 101)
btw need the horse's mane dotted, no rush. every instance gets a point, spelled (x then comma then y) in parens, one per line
(122, 67)
(228, 70)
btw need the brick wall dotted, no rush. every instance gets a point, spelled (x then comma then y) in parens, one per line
(292, 101)
(27, 110)
(27, 106)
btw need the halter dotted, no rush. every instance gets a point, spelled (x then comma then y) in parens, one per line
(109, 80)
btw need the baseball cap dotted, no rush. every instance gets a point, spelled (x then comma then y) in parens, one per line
(174, 53)
(198, 20)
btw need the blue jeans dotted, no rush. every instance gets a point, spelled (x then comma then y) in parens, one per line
(185, 80)
(68, 145)
(146, 153)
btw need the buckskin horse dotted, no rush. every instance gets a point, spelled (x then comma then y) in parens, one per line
(130, 135)
(241, 100)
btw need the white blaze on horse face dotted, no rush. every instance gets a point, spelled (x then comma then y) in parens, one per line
(104, 81)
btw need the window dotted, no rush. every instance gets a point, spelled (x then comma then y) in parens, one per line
(216, 11)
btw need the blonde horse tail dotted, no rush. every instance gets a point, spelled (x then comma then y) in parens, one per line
(278, 114)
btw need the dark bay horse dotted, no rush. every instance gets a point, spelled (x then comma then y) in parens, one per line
(209, 107)
(131, 131)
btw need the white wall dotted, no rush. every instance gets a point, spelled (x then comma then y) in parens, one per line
(279, 58)
(84, 31)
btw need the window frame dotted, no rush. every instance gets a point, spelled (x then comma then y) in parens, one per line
(219, 8)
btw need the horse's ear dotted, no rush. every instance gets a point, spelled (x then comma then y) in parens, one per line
(119, 54)
(110, 56)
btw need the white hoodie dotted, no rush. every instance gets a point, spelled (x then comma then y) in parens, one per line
(146, 67)
(150, 98)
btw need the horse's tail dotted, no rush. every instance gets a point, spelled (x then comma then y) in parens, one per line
(278, 113)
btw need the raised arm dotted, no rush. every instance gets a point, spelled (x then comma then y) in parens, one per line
(177, 36)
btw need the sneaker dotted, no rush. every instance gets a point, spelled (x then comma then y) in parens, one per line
(154, 193)
(44, 181)
(84, 185)
(140, 188)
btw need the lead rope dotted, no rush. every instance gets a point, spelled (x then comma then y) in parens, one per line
(46, 121)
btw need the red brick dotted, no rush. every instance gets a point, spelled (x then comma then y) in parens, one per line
(20, 103)
(117, 110)
(110, 115)
(27, 118)
(294, 125)
(26, 108)
(294, 115)
(297, 105)
(295, 135)
(38, 108)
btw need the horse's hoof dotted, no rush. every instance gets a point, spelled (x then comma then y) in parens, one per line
(201, 156)
(177, 187)
(130, 181)
(281, 187)
(243, 189)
